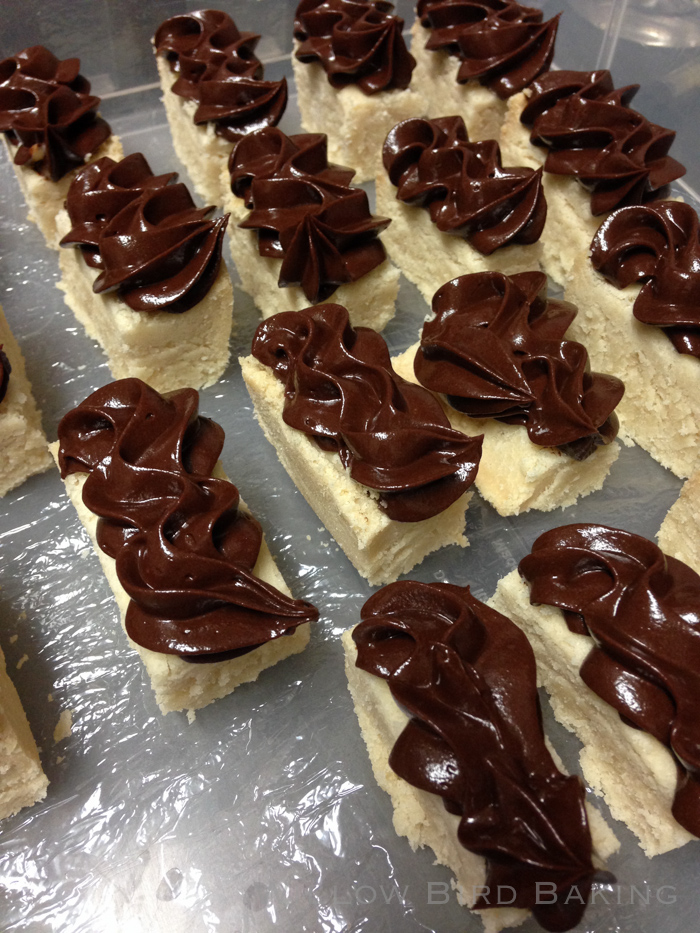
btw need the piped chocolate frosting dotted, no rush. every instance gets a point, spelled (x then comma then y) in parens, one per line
(341, 390)
(495, 348)
(355, 42)
(48, 113)
(184, 550)
(642, 611)
(464, 185)
(466, 677)
(657, 246)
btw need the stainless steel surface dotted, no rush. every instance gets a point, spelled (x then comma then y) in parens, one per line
(263, 814)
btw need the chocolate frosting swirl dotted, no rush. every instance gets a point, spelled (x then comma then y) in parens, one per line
(305, 212)
(5, 370)
(463, 185)
(641, 609)
(341, 390)
(592, 134)
(145, 234)
(47, 111)
(355, 42)
(465, 675)
(184, 550)
(217, 68)
(502, 44)
(495, 348)
(657, 245)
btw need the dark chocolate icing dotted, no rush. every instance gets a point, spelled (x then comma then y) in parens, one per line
(355, 42)
(145, 234)
(305, 212)
(217, 68)
(184, 551)
(463, 184)
(496, 349)
(465, 675)
(592, 133)
(341, 390)
(642, 610)
(5, 370)
(657, 245)
(500, 43)
(48, 113)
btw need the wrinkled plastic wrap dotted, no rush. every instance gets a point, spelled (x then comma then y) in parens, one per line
(262, 814)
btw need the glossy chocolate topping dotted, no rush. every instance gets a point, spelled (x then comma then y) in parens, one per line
(463, 184)
(217, 68)
(465, 675)
(146, 235)
(642, 610)
(341, 390)
(657, 245)
(305, 212)
(355, 42)
(48, 113)
(500, 43)
(496, 349)
(592, 133)
(184, 551)
(5, 370)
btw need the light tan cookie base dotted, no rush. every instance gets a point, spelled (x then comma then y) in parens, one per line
(632, 770)
(421, 816)
(428, 257)
(379, 548)
(45, 198)
(22, 781)
(679, 534)
(516, 475)
(179, 685)
(22, 440)
(168, 351)
(201, 151)
(435, 76)
(370, 301)
(356, 123)
(660, 409)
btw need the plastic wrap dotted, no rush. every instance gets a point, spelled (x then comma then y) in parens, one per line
(263, 813)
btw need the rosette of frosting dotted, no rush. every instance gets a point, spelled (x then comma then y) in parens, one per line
(145, 234)
(5, 370)
(592, 134)
(48, 113)
(355, 42)
(641, 608)
(184, 550)
(463, 185)
(217, 68)
(305, 213)
(341, 390)
(500, 43)
(657, 245)
(466, 677)
(495, 349)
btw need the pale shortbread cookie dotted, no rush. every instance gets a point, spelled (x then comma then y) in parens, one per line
(180, 685)
(679, 534)
(631, 769)
(22, 781)
(46, 198)
(421, 816)
(168, 351)
(380, 549)
(22, 440)
(516, 475)
(428, 257)
(356, 123)
(435, 78)
(200, 150)
(660, 409)
(371, 300)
